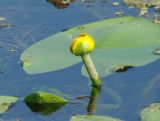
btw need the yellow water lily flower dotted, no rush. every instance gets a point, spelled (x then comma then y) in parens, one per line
(83, 44)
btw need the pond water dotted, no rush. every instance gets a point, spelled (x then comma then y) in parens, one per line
(34, 20)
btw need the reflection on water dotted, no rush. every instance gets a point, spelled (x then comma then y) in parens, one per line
(61, 4)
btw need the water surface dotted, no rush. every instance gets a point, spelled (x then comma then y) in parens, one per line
(34, 20)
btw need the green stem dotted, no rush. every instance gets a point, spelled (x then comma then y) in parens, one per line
(93, 99)
(91, 69)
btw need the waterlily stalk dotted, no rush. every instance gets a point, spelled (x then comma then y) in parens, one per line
(91, 108)
(82, 46)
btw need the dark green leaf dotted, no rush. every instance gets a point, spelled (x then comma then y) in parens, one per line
(44, 103)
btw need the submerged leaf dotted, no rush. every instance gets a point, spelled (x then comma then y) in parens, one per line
(151, 113)
(6, 102)
(119, 41)
(92, 118)
(44, 103)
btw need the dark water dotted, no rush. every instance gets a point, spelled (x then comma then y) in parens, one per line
(34, 20)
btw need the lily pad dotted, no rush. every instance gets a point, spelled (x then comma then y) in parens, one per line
(108, 61)
(124, 32)
(6, 102)
(49, 55)
(93, 118)
(118, 41)
(44, 103)
(151, 113)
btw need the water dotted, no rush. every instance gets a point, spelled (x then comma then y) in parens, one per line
(34, 20)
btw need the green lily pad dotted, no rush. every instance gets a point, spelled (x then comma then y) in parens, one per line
(151, 113)
(6, 102)
(93, 118)
(125, 32)
(44, 103)
(108, 61)
(49, 55)
(118, 41)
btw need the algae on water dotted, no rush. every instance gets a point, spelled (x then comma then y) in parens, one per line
(142, 3)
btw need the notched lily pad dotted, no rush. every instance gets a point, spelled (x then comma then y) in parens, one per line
(108, 61)
(44, 103)
(6, 102)
(151, 113)
(93, 118)
(126, 41)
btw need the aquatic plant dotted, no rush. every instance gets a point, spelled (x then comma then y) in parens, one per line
(120, 44)
(6, 102)
(151, 113)
(82, 46)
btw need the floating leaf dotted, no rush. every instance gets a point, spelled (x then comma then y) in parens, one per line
(6, 102)
(151, 113)
(124, 32)
(44, 103)
(118, 41)
(50, 54)
(92, 118)
(108, 61)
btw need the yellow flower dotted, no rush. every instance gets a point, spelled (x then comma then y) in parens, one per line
(83, 44)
